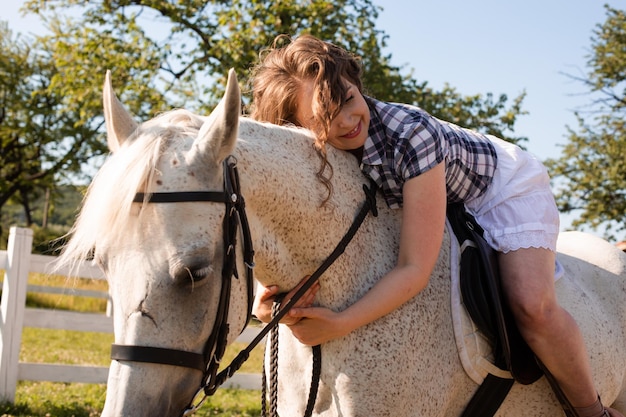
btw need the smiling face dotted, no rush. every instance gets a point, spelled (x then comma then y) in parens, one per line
(348, 129)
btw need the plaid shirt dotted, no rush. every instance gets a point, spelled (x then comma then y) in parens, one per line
(405, 141)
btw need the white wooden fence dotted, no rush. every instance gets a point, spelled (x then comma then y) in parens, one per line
(18, 262)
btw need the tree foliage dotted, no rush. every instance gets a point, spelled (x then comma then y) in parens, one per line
(40, 140)
(198, 41)
(166, 54)
(591, 172)
(51, 106)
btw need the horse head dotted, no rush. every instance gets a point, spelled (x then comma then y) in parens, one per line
(162, 261)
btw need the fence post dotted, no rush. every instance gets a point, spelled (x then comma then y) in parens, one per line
(12, 308)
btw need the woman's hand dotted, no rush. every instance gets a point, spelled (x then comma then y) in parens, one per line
(264, 300)
(317, 325)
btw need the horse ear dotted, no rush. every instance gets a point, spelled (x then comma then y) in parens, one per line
(218, 133)
(119, 122)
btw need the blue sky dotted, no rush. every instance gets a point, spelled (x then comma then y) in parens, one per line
(480, 46)
(501, 46)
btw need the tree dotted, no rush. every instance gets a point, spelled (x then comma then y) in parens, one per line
(591, 172)
(24, 143)
(166, 54)
(199, 41)
(50, 106)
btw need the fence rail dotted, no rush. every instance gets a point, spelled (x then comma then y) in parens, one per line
(18, 262)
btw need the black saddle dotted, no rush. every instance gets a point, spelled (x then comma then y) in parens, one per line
(485, 303)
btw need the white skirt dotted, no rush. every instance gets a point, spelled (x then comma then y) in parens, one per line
(518, 209)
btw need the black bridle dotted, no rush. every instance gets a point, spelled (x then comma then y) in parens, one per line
(208, 361)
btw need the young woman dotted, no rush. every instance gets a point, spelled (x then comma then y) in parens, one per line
(422, 163)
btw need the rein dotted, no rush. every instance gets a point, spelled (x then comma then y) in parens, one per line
(369, 205)
(208, 362)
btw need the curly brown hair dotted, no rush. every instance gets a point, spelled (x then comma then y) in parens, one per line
(277, 78)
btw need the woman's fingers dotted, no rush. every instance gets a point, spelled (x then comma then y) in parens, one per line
(262, 307)
(264, 300)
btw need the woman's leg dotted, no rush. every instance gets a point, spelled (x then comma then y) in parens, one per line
(550, 331)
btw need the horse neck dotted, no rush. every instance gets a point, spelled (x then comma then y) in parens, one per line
(292, 231)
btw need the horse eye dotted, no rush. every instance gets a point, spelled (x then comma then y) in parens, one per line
(200, 273)
(191, 275)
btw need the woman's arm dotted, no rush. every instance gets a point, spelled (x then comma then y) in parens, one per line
(423, 220)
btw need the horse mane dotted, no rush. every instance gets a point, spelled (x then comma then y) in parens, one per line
(104, 217)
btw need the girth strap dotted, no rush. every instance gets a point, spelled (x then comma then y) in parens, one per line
(488, 397)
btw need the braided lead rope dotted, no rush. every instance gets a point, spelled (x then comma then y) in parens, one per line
(273, 343)
(274, 365)
(315, 374)
(264, 391)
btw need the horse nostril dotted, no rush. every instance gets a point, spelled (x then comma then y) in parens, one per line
(144, 312)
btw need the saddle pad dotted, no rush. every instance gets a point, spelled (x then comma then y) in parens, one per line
(473, 347)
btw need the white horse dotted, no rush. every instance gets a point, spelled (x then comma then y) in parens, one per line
(163, 263)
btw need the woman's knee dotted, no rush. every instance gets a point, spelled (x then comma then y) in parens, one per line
(534, 312)
(527, 278)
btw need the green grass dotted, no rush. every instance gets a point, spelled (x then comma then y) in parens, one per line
(43, 399)
(48, 399)
(67, 302)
